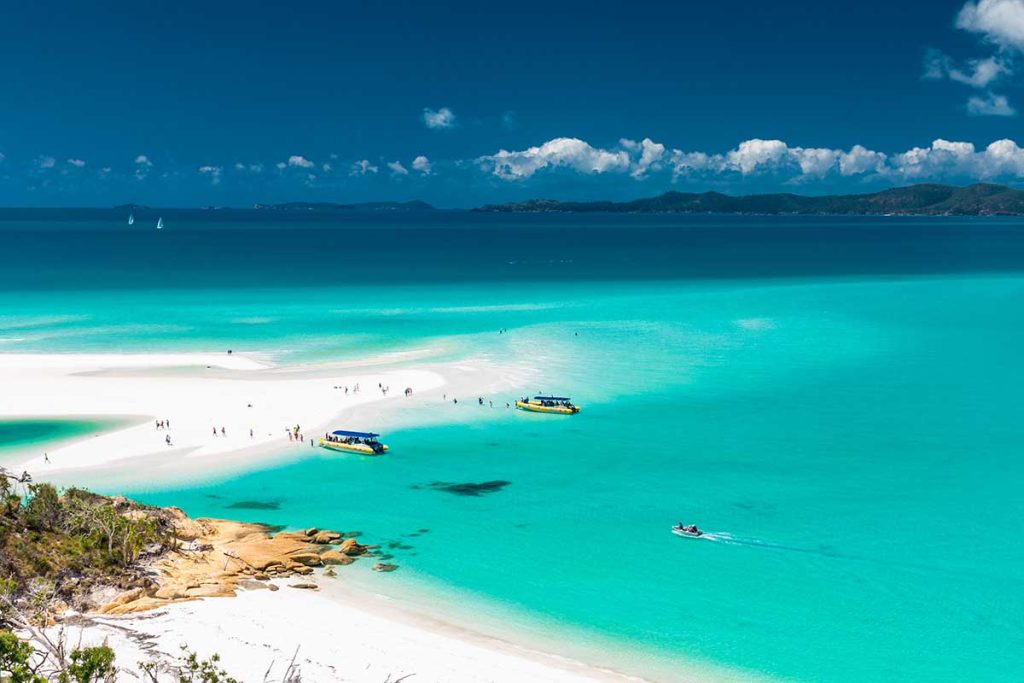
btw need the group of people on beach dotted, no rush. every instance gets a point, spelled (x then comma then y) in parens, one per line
(355, 389)
(164, 424)
(295, 434)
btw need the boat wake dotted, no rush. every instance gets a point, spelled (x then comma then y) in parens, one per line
(834, 554)
(727, 538)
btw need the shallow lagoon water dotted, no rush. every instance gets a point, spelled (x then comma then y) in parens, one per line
(852, 442)
(22, 434)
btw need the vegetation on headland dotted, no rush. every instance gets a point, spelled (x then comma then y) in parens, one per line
(53, 547)
(74, 552)
(980, 199)
(72, 540)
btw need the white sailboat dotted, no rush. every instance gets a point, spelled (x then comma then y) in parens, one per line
(131, 218)
(160, 223)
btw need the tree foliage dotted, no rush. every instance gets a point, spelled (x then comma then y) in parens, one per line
(71, 536)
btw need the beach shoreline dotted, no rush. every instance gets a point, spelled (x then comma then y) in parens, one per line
(336, 632)
(224, 411)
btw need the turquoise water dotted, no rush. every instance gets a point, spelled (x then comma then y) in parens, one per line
(16, 434)
(850, 440)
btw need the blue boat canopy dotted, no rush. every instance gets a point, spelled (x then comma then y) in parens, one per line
(358, 435)
(551, 398)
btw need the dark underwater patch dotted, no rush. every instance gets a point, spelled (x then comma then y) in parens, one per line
(255, 505)
(468, 488)
(398, 545)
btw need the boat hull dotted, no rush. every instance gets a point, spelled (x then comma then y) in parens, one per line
(361, 449)
(552, 410)
(686, 534)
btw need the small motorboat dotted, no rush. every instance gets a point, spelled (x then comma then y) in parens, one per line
(690, 531)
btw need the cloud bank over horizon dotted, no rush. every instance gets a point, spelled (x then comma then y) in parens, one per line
(941, 160)
(628, 166)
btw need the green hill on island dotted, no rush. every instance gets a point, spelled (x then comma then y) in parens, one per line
(980, 199)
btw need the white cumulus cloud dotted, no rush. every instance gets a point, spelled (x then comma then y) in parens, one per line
(861, 160)
(46, 162)
(999, 21)
(299, 161)
(213, 172)
(560, 152)
(439, 118)
(362, 167)
(757, 154)
(979, 73)
(421, 164)
(143, 160)
(990, 105)
(77, 163)
(650, 155)
(397, 168)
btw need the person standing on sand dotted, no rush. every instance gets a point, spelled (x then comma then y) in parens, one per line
(215, 431)
(168, 439)
(290, 436)
(46, 457)
(223, 432)
(167, 424)
(250, 432)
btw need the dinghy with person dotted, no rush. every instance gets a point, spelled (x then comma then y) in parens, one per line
(687, 531)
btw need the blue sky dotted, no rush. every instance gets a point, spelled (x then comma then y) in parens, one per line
(462, 103)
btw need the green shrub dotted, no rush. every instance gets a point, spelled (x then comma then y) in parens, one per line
(15, 660)
(90, 665)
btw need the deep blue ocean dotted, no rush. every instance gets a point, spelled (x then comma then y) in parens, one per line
(836, 400)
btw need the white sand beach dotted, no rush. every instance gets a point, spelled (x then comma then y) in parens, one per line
(219, 407)
(334, 634)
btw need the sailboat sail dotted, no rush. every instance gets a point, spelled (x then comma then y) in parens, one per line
(131, 219)
(160, 224)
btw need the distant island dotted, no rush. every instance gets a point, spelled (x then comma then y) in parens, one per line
(327, 207)
(981, 199)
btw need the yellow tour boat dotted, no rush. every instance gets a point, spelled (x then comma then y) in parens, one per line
(364, 443)
(559, 405)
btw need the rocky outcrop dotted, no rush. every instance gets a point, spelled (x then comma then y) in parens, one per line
(352, 547)
(335, 557)
(216, 557)
(325, 537)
